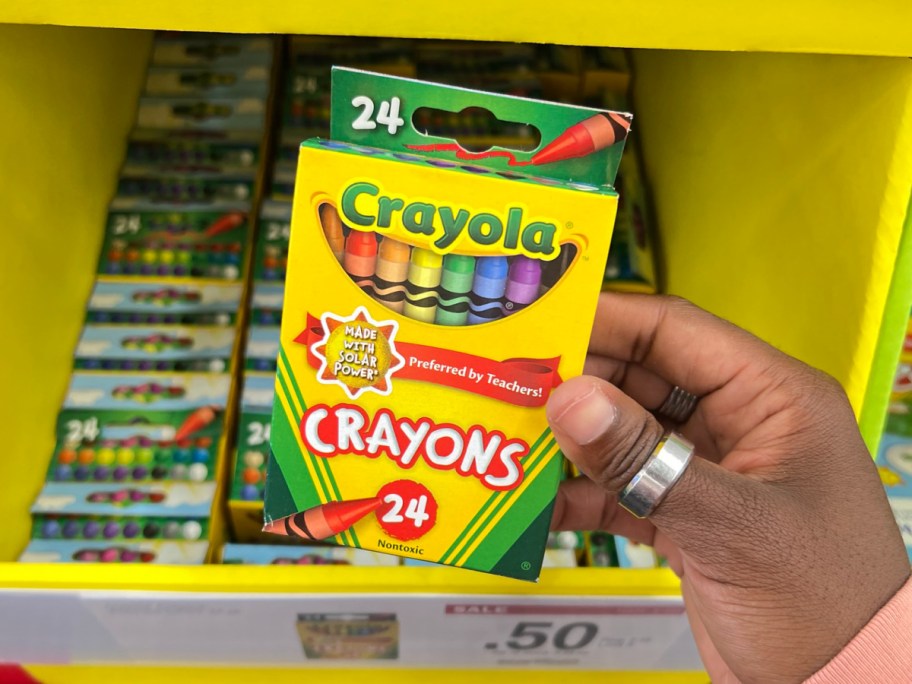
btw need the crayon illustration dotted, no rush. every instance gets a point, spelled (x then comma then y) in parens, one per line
(553, 271)
(425, 270)
(225, 223)
(488, 288)
(588, 136)
(322, 522)
(455, 284)
(360, 258)
(332, 229)
(195, 421)
(523, 283)
(392, 273)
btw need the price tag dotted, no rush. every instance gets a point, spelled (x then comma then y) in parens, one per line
(590, 633)
(616, 634)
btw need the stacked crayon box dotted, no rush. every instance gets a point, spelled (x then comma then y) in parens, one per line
(593, 549)
(894, 457)
(251, 452)
(134, 469)
(632, 262)
(266, 554)
(305, 105)
(270, 257)
(304, 112)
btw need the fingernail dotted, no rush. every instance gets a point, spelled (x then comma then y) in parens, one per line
(583, 417)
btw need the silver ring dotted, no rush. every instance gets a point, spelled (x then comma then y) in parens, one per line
(662, 469)
(678, 406)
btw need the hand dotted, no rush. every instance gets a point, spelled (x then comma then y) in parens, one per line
(779, 528)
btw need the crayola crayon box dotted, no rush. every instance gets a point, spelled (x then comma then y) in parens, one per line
(155, 348)
(435, 296)
(162, 522)
(165, 302)
(149, 238)
(264, 554)
(245, 496)
(170, 148)
(132, 428)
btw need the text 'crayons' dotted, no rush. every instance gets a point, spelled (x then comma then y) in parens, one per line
(452, 290)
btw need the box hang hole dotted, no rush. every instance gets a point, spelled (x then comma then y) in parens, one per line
(476, 129)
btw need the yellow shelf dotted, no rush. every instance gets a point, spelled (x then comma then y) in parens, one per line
(229, 579)
(782, 184)
(771, 26)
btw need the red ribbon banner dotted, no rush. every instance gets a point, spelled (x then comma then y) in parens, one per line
(523, 382)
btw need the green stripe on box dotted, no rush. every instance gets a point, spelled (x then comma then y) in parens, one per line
(302, 475)
(503, 536)
(487, 504)
(523, 513)
(327, 469)
(290, 461)
(321, 465)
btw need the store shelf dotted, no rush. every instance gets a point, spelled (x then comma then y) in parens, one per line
(782, 184)
(75, 93)
(773, 26)
(282, 579)
(781, 207)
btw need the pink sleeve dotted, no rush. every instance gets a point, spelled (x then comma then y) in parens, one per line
(880, 652)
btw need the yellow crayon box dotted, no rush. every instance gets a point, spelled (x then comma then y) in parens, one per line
(432, 304)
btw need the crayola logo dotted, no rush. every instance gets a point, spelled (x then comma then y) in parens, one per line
(446, 228)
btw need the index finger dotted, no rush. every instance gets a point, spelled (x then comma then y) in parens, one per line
(678, 341)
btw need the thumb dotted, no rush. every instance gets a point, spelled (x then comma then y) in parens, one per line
(709, 512)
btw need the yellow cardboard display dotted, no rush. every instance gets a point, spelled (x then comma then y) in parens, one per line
(786, 215)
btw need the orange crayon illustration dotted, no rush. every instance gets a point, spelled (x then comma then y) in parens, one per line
(225, 223)
(588, 136)
(392, 272)
(360, 259)
(332, 229)
(195, 421)
(322, 522)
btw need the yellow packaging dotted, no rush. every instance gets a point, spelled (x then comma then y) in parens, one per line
(408, 436)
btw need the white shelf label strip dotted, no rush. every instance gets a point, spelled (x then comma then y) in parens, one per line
(345, 630)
